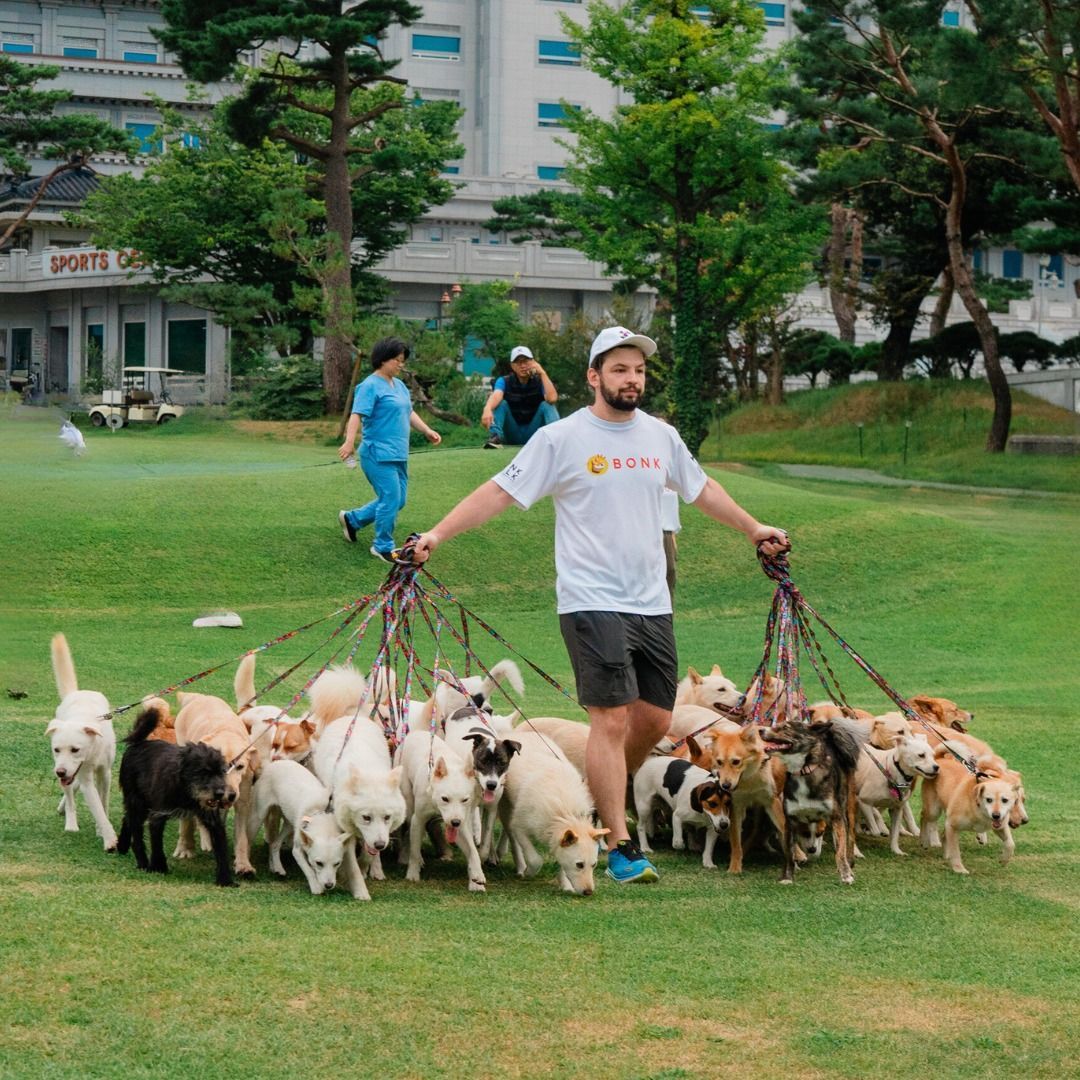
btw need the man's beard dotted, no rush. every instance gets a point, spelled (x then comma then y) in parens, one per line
(616, 402)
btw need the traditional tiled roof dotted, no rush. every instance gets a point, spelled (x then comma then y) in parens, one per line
(70, 188)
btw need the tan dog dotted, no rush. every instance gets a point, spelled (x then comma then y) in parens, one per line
(772, 694)
(569, 736)
(972, 801)
(736, 757)
(942, 712)
(165, 731)
(277, 737)
(829, 710)
(207, 719)
(713, 691)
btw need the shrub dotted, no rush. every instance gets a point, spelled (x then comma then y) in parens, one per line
(290, 390)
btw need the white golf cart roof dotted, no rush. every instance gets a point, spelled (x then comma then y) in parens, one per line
(157, 370)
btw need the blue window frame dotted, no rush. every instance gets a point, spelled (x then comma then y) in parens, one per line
(550, 172)
(1012, 263)
(775, 14)
(17, 47)
(453, 170)
(950, 18)
(552, 114)
(192, 142)
(977, 259)
(565, 53)
(1056, 266)
(82, 54)
(140, 57)
(436, 46)
(145, 134)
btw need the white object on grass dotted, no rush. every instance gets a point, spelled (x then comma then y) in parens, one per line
(220, 618)
(73, 438)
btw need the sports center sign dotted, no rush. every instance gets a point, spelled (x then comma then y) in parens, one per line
(80, 262)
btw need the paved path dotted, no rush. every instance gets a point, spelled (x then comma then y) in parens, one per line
(870, 476)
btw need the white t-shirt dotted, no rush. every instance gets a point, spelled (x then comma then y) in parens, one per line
(607, 480)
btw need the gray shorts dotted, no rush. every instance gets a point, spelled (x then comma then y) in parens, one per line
(618, 658)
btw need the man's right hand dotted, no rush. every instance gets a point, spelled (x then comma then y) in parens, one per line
(487, 418)
(345, 450)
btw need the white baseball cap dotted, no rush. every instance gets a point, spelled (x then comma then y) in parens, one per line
(613, 336)
(520, 350)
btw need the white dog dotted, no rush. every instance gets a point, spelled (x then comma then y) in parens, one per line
(546, 799)
(889, 783)
(437, 782)
(83, 746)
(692, 793)
(713, 691)
(285, 789)
(368, 803)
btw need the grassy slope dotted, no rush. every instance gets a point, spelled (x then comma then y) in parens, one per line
(105, 972)
(949, 425)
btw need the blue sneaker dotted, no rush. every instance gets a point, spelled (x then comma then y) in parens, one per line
(626, 863)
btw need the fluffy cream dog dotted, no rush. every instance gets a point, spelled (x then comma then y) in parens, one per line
(438, 783)
(713, 691)
(352, 759)
(547, 800)
(570, 736)
(210, 720)
(83, 746)
(285, 789)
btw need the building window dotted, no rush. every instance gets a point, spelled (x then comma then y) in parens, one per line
(950, 18)
(563, 53)
(774, 14)
(1012, 263)
(21, 344)
(80, 52)
(549, 172)
(187, 345)
(977, 260)
(453, 170)
(95, 350)
(145, 134)
(134, 344)
(192, 142)
(552, 114)
(138, 57)
(17, 43)
(436, 47)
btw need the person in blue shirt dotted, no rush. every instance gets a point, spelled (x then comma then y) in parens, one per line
(520, 403)
(383, 407)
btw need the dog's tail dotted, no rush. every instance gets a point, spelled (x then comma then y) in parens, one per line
(154, 713)
(845, 739)
(504, 669)
(244, 682)
(63, 667)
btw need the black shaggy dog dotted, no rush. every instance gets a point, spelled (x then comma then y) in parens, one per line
(160, 781)
(819, 789)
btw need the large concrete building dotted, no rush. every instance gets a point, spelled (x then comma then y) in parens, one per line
(65, 307)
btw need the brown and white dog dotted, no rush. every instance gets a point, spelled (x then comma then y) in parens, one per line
(972, 801)
(210, 720)
(277, 737)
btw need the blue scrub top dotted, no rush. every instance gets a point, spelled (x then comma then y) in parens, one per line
(385, 408)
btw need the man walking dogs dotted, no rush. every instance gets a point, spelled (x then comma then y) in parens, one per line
(606, 467)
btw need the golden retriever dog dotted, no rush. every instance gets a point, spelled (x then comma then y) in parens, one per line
(569, 736)
(207, 719)
(972, 801)
(736, 757)
(713, 691)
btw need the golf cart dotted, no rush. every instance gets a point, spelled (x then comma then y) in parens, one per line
(136, 402)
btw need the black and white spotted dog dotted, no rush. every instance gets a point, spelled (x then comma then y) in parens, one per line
(470, 734)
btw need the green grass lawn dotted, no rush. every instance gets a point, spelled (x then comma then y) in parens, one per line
(108, 972)
(945, 442)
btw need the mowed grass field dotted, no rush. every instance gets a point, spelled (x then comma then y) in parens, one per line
(107, 972)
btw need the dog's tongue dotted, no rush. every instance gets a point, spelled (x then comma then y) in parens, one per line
(451, 834)
(489, 796)
(997, 824)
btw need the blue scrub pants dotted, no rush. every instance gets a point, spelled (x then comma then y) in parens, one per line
(390, 480)
(511, 432)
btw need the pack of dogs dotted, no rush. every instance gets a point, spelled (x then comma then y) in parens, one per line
(360, 773)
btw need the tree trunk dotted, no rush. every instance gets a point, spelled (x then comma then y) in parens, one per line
(337, 357)
(774, 394)
(964, 282)
(844, 279)
(692, 413)
(944, 302)
(897, 344)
